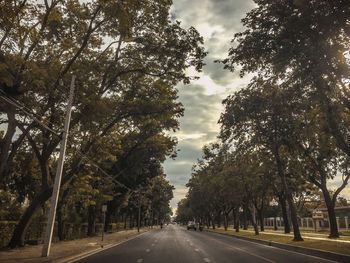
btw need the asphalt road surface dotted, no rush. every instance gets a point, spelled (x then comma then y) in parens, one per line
(175, 244)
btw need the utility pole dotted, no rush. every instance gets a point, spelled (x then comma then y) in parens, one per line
(58, 177)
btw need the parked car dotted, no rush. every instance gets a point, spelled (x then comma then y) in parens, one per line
(191, 225)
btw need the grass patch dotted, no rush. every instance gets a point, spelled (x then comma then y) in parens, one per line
(337, 247)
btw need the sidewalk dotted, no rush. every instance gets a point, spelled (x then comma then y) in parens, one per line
(313, 246)
(319, 242)
(67, 249)
(307, 235)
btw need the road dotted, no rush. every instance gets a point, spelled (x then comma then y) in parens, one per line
(175, 244)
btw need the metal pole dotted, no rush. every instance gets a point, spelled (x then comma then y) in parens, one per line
(58, 177)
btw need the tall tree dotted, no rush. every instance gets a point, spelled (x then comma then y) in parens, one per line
(121, 82)
(257, 117)
(304, 45)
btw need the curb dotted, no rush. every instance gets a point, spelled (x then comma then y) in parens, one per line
(74, 258)
(307, 251)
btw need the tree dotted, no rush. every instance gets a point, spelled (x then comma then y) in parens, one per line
(321, 159)
(121, 84)
(257, 117)
(302, 45)
(183, 212)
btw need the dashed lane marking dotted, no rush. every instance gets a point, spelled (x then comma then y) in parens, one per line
(139, 260)
(206, 260)
(153, 245)
(196, 249)
(243, 250)
(148, 250)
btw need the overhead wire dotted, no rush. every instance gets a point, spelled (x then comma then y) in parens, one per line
(20, 105)
(31, 116)
(27, 111)
(104, 172)
(37, 118)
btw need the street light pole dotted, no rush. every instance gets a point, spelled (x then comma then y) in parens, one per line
(58, 177)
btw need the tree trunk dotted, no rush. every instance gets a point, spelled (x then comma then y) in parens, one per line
(275, 224)
(125, 219)
(294, 218)
(212, 222)
(236, 219)
(282, 201)
(333, 227)
(108, 218)
(245, 218)
(17, 238)
(293, 211)
(131, 220)
(225, 221)
(261, 219)
(252, 219)
(219, 219)
(60, 224)
(91, 220)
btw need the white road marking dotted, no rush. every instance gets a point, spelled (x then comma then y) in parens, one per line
(197, 250)
(243, 250)
(148, 250)
(206, 260)
(191, 244)
(139, 260)
(153, 245)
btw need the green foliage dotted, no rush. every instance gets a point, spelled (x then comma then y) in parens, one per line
(184, 212)
(127, 57)
(10, 209)
(295, 108)
(287, 131)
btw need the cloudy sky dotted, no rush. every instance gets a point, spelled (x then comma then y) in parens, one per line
(217, 21)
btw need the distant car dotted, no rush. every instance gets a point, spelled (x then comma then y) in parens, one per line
(191, 225)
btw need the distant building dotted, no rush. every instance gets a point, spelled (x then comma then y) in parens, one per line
(341, 212)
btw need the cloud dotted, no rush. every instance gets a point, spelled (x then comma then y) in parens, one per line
(197, 127)
(336, 183)
(217, 21)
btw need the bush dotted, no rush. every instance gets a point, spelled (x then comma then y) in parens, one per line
(35, 231)
(6, 230)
